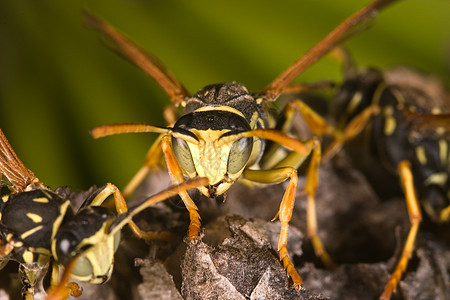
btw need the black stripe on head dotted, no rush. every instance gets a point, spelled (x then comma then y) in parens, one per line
(214, 120)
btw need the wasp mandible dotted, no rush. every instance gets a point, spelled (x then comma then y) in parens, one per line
(224, 128)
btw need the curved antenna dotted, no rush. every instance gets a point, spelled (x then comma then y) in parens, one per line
(12, 168)
(174, 190)
(348, 28)
(106, 130)
(144, 60)
(268, 134)
(112, 129)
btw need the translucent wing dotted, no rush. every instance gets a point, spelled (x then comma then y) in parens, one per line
(147, 62)
(17, 176)
(430, 124)
(351, 26)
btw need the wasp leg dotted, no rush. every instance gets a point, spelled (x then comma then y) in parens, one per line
(415, 217)
(281, 173)
(151, 161)
(153, 156)
(121, 207)
(316, 123)
(285, 212)
(345, 58)
(64, 288)
(176, 175)
(445, 214)
(353, 128)
(312, 178)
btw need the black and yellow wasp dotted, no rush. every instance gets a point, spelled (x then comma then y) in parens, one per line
(39, 228)
(404, 120)
(224, 129)
(409, 132)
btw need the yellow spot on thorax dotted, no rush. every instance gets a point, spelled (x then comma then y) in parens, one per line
(30, 232)
(41, 200)
(34, 217)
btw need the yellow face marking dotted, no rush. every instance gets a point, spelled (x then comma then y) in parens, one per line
(421, 156)
(9, 237)
(443, 151)
(389, 125)
(41, 200)
(34, 217)
(5, 198)
(30, 232)
(209, 160)
(220, 108)
(100, 255)
(28, 256)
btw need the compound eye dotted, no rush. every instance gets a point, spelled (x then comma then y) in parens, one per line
(239, 154)
(116, 240)
(83, 267)
(183, 154)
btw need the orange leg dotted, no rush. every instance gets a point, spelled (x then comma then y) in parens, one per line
(415, 217)
(312, 178)
(319, 126)
(176, 176)
(285, 211)
(352, 129)
(152, 160)
(64, 288)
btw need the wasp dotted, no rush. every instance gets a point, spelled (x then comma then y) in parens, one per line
(404, 119)
(224, 129)
(39, 228)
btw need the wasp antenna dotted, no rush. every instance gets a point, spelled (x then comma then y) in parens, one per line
(348, 28)
(144, 60)
(106, 130)
(174, 190)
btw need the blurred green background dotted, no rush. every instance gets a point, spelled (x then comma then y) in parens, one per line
(57, 80)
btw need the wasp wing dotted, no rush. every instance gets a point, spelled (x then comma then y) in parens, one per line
(17, 176)
(427, 124)
(356, 23)
(147, 62)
